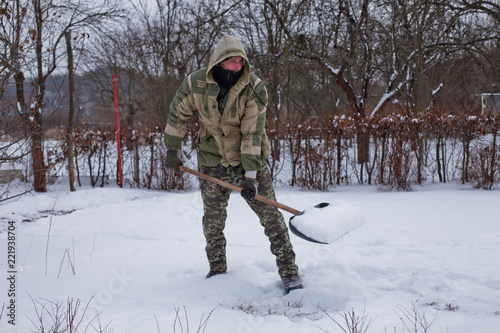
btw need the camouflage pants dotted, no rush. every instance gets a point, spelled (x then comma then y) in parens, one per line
(215, 200)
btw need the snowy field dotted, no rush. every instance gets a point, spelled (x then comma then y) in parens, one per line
(134, 260)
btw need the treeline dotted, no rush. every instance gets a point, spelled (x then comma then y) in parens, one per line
(318, 153)
(363, 59)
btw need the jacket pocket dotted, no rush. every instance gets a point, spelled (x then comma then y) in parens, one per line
(208, 151)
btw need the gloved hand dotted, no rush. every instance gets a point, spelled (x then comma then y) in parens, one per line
(249, 190)
(172, 161)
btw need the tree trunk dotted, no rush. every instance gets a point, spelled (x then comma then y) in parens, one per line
(493, 160)
(34, 119)
(339, 157)
(363, 145)
(420, 160)
(69, 130)
(36, 123)
(38, 163)
(438, 158)
(38, 166)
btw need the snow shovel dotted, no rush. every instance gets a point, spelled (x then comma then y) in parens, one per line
(300, 217)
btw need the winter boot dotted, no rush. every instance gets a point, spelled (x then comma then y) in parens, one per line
(213, 273)
(291, 282)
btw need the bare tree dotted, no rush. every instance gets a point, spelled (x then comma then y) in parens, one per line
(71, 114)
(491, 8)
(376, 51)
(15, 43)
(45, 34)
(6, 13)
(480, 42)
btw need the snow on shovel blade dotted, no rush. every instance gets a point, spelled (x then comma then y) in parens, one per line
(325, 223)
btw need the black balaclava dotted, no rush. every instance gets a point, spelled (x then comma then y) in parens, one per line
(225, 79)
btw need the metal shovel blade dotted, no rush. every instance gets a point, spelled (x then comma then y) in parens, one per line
(298, 233)
(326, 223)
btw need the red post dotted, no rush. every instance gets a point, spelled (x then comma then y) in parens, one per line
(117, 133)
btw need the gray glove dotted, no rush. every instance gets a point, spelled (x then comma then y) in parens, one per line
(172, 161)
(249, 190)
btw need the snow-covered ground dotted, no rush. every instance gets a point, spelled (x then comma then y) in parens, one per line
(136, 258)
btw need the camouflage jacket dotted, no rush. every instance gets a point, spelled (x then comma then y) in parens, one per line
(237, 136)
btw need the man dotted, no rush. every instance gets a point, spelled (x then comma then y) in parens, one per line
(232, 145)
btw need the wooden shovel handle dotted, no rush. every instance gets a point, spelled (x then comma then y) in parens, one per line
(238, 189)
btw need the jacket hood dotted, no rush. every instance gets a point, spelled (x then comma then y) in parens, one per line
(227, 47)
